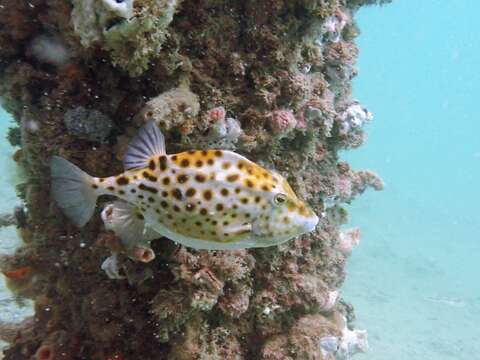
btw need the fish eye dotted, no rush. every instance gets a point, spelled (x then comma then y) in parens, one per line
(280, 199)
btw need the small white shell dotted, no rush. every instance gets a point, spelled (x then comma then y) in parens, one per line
(344, 347)
(353, 342)
(347, 240)
(123, 9)
(354, 116)
(330, 299)
(333, 26)
(111, 268)
(328, 345)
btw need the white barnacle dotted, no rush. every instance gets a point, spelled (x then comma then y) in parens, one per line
(111, 267)
(122, 8)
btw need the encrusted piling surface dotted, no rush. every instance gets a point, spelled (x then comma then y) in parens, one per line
(269, 79)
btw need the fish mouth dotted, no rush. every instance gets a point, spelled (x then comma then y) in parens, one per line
(311, 223)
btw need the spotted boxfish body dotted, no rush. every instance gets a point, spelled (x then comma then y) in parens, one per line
(208, 199)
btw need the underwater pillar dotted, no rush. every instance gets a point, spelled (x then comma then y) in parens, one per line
(268, 79)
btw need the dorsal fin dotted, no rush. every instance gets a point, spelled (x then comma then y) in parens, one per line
(147, 143)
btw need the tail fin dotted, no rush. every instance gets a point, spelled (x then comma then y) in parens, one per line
(72, 190)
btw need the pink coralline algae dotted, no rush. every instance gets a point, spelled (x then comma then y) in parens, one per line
(217, 114)
(282, 121)
(344, 187)
(330, 298)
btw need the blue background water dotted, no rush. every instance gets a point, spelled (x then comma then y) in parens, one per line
(8, 235)
(415, 278)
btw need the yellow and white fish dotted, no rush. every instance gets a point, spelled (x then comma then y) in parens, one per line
(205, 199)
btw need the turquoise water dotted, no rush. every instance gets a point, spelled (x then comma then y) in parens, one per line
(7, 186)
(8, 235)
(414, 279)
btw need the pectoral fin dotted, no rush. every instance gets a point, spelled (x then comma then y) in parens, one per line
(128, 223)
(236, 230)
